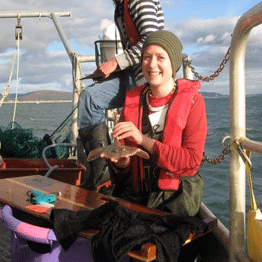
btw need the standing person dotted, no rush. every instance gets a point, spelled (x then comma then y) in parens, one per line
(167, 118)
(135, 19)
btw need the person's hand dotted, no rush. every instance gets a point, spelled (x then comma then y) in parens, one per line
(106, 68)
(122, 162)
(127, 130)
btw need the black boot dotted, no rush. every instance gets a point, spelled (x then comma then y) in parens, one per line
(93, 137)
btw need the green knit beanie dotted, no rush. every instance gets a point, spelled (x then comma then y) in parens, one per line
(170, 43)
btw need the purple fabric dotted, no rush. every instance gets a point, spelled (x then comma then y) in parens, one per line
(23, 235)
(24, 230)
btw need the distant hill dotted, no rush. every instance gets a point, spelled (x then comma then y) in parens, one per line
(50, 95)
(212, 95)
(42, 95)
(217, 95)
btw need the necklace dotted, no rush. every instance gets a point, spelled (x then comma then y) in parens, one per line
(159, 104)
(154, 109)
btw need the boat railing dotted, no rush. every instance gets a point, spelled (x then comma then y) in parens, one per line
(245, 24)
(252, 145)
(237, 230)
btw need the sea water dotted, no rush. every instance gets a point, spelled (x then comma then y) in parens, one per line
(45, 118)
(216, 177)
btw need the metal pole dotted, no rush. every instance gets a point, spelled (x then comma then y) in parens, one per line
(238, 128)
(63, 37)
(77, 75)
(86, 58)
(66, 43)
(73, 59)
(187, 72)
(32, 14)
(251, 145)
(76, 94)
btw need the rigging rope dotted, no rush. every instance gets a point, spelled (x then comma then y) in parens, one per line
(252, 195)
(6, 92)
(62, 125)
(18, 37)
(17, 76)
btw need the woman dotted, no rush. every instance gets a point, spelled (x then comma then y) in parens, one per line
(135, 19)
(165, 117)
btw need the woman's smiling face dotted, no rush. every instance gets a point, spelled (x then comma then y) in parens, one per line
(157, 66)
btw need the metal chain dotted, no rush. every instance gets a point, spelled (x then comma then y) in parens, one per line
(215, 74)
(218, 159)
(226, 149)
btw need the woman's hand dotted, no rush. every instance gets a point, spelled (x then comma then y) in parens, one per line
(122, 162)
(129, 131)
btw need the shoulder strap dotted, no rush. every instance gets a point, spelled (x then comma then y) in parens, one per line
(131, 30)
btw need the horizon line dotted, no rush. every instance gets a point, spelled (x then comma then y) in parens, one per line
(38, 101)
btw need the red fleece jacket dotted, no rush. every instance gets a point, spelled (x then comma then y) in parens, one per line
(181, 151)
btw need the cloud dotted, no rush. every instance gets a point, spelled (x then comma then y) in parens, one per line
(171, 3)
(39, 64)
(214, 30)
(44, 61)
(206, 40)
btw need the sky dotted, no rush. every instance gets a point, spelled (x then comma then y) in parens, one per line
(204, 28)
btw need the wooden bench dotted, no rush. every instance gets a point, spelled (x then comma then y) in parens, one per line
(14, 193)
(147, 253)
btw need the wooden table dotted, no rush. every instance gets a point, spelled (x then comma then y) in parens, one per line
(13, 191)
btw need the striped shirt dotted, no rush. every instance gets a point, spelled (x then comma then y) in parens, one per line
(147, 16)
